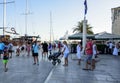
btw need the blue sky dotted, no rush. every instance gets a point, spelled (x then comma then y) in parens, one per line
(65, 16)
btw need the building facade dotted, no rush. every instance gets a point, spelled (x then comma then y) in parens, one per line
(115, 20)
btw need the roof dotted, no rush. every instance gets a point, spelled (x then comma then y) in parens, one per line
(105, 35)
(101, 36)
(80, 36)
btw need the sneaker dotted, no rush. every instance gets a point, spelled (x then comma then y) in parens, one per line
(10, 56)
(6, 69)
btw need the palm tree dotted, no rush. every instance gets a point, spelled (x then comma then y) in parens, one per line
(79, 28)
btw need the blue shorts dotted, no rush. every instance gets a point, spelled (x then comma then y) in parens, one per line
(66, 55)
(89, 58)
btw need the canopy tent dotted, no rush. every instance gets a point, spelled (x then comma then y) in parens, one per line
(99, 36)
(77, 36)
(106, 36)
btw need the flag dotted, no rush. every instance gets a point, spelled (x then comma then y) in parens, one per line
(85, 4)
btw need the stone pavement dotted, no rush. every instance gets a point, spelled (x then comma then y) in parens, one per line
(22, 70)
(107, 71)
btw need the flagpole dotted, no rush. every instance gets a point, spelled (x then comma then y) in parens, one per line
(84, 33)
(84, 27)
(50, 26)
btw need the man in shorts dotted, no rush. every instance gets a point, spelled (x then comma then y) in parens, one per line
(36, 53)
(89, 53)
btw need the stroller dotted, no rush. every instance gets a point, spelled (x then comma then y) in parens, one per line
(54, 58)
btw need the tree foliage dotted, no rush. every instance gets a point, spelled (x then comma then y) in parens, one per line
(79, 28)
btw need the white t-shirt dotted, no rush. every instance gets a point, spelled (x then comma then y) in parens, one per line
(66, 49)
(94, 49)
(78, 49)
(110, 45)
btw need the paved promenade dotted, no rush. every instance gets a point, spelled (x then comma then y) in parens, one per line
(107, 71)
(22, 70)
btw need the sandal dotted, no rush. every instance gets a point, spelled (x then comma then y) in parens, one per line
(64, 65)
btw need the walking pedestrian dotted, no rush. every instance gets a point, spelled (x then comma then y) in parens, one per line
(35, 53)
(10, 47)
(5, 58)
(45, 49)
(94, 54)
(28, 48)
(116, 49)
(18, 49)
(89, 53)
(50, 48)
(79, 49)
(2, 46)
(59, 46)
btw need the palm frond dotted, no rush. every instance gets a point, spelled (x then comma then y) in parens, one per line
(79, 28)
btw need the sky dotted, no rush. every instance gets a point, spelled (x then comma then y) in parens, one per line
(65, 15)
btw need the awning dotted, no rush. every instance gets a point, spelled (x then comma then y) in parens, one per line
(106, 36)
(77, 36)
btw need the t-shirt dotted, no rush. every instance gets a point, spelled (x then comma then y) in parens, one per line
(66, 49)
(50, 47)
(94, 49)
(89, 48)
(5, 58)
(78, 49)
(10, 46)
(2, 46)
(35, 48)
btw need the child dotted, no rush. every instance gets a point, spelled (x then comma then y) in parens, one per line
(5, 58)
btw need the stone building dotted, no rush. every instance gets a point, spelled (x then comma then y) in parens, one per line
(116, 20)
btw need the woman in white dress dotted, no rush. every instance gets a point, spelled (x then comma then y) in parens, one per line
(79, 49)
(115, 50)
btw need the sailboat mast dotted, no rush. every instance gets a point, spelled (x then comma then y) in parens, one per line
(51, 28)
(4, 16)
(50, 24)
